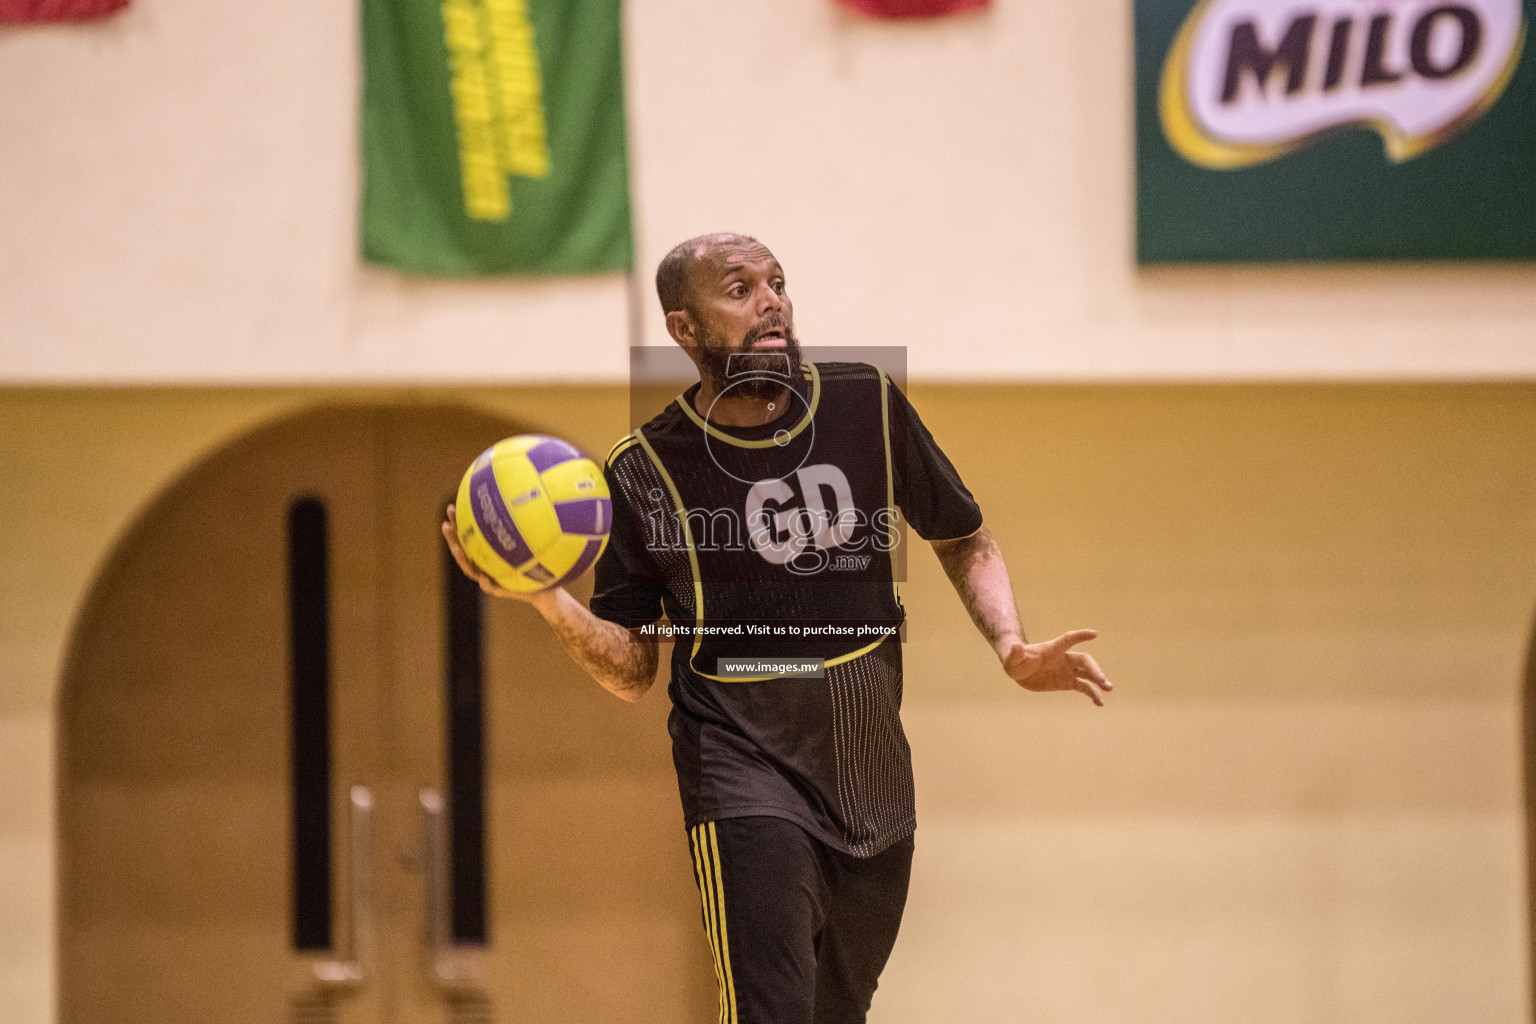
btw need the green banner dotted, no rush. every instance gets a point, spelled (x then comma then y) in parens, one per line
(1287, 130)
(493, 137)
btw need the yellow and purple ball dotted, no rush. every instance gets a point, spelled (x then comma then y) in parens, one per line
(533, 512)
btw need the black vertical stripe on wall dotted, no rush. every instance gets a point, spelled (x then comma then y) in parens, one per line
(465, 700)
(1528, 756)
(310, 722)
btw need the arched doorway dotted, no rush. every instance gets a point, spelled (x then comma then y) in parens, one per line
(306, 777)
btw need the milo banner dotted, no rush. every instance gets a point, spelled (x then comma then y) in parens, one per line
(493, 137)
(1334, 130)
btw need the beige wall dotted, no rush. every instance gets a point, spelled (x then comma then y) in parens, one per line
(1303, 803)
(179, 189)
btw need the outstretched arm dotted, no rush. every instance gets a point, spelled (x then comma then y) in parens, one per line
(622, 663)
(975, 567)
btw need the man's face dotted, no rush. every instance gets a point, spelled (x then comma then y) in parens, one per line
(743, 320)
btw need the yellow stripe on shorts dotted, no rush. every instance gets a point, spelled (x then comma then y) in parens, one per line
(725, 935)
(706, 867)
(709, 925)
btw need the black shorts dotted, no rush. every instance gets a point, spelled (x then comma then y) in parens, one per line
(799, 931)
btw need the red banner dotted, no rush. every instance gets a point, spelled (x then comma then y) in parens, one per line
(57, 10)
(914, 8)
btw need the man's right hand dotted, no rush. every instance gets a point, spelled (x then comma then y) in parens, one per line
(474, 572)
(622, 664)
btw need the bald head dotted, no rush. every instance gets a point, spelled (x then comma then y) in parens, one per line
(724, 297)
(674, 275)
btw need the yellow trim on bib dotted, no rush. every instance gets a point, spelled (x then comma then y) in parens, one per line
(767, 442)
(625, 443)
(890, 480)
(693, 557)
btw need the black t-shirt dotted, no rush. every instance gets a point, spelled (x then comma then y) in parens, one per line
(817, 544)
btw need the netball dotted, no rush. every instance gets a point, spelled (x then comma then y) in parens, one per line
(533, 512)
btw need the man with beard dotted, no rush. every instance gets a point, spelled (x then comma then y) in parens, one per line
(759, 511)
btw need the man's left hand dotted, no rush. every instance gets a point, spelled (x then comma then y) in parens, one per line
(1053, 665)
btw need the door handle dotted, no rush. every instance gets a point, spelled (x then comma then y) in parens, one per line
(450, 965)
(353, 970)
